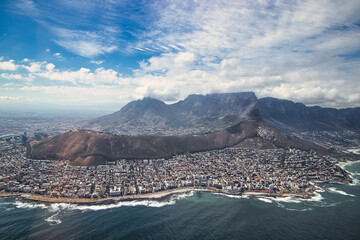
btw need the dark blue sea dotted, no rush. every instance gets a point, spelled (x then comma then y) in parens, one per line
(333, 214)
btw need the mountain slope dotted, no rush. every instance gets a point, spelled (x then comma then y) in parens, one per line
(208, 113)
(287, 115)
(196, 113)
(91, 148)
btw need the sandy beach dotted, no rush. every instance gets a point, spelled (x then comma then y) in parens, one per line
(6, 194)
(354, 150)
(343, 164)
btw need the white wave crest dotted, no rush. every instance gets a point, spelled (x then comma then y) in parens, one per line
(299, 210)
(317, 197)
(355, 182)
(334, 190)
(19, 204)
(263, 199)
(289, 199)
(52, 220)
(233, 196)
(55, 207)
(319, 189)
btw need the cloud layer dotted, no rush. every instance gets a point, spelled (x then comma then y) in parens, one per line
(306, 51)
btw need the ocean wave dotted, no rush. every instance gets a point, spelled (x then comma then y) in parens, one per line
(20, 204)
(8, 209)
(319, 189)
(52, 220)
(287, 199)
(232, 196)
(55, 207)
(292, 199)
(335, 190)
(4, 204)
(326, 205)
(264, 199)
(298, 210)
(317, 196)
(355, 182)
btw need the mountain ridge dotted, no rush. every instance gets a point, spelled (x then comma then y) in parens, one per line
(93, 148)
(211, 112)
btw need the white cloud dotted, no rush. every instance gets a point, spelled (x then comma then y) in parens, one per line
(8, 65)
(295, 49)
(9, 98)
(84, 43)
(50, 67)
(86, 48)
(10, 76)
(80, 96)
(58, 56)
(304, 51)
(99, 76)
(34, 67)
(97, 62)
(48, 72)
(184, 59)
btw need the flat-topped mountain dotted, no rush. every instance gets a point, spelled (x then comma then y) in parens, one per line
(205, 113)
(196, 113)
(92, 148)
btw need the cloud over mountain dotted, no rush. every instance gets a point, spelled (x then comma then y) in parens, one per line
(304, 51)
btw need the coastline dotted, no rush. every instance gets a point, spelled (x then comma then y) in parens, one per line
(309, 193)
(147, 196)
(343, 164)
(354, 150)
(152, 196)
(8, 194)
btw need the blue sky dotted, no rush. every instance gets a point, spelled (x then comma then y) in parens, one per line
(103, 54)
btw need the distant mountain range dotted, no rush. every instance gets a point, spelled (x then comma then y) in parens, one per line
(93, 148)
(204, 113)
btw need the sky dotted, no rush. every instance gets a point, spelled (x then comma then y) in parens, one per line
(102, 54)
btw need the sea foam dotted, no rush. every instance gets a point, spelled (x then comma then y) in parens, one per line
(55, 207)
(232, 196)
(263, 199)
(53, 220)
(335, 190)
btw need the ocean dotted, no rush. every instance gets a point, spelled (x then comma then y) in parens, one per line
(334, 213)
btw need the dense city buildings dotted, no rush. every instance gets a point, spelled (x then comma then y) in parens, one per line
(231, 171)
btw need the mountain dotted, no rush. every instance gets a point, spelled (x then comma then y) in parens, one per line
(196, 113)
(208, 113)
(289, 116)
(92, 148)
